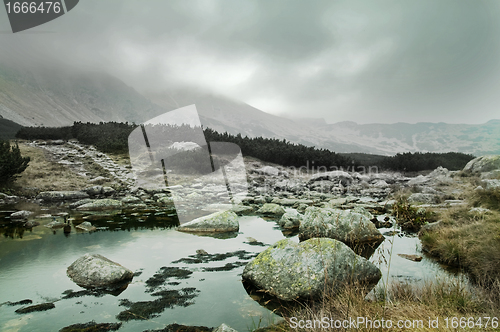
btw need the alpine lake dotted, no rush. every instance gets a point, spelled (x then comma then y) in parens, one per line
(172, 282)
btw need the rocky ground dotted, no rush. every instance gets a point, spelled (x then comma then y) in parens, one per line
(111, 186)
(346, 207)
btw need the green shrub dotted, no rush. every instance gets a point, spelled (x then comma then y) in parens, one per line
(11, 162)
(411, 218)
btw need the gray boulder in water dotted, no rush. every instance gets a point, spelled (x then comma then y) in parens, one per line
(271, 209)
(292, 271)
(94, 271)
(290, 220)
(349, 226)
(218, 222)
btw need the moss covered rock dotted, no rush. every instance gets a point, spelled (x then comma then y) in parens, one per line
(348, 226)
(94, 271)
(290, 220)
(218, 222)
(292, 271)
(271, 209)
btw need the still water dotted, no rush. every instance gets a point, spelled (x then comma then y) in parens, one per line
(34, 267)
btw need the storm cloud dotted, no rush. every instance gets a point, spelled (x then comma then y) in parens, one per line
(363, 61)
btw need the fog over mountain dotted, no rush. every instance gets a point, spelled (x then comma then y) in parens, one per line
(34, 96)
(318, 73)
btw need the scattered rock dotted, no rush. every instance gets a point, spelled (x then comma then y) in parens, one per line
(341, 177)
(290, 220)
(423, 198)
(242, 210)
(94, 191)
(225, 221)
(101, 204)
(94, 271)
(54, 196)
(55, 224)
(349, 226)
(22, 302)
(271, 209)
(36, 307)
(224, 328)
(131, 200)
(430, 227)
(182, 328)
(91, 327)
(415, 258)
(21, 214)
(98, 180)
(81, 202)
(479, 210)
(289, 270)
(291, 201)
(108, 191)
(166, 200)
(86, 226)
(269, 171)
(491, 184)
(31, 224)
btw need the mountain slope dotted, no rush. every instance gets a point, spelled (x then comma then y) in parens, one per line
(223, 114)
(60, 96)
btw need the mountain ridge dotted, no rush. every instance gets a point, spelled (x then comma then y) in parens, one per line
(33, 97)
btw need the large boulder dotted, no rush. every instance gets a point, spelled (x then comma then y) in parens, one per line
(218, 222)
(94, 271)
(54, 196)
(483, 164)
(101, 204)
(348, 226)
(271, 209)
(292, 271)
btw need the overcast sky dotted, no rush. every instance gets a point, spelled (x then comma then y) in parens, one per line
(363, 61)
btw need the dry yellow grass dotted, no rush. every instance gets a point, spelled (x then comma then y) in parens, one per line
(411, 308)
(43, 174)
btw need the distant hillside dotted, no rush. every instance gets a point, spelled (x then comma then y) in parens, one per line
(223, 114)
(8, 129)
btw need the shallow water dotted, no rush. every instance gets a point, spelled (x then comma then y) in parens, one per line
(34, 267)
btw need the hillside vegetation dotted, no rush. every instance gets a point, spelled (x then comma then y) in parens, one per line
(113, 137)
(8, 129)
